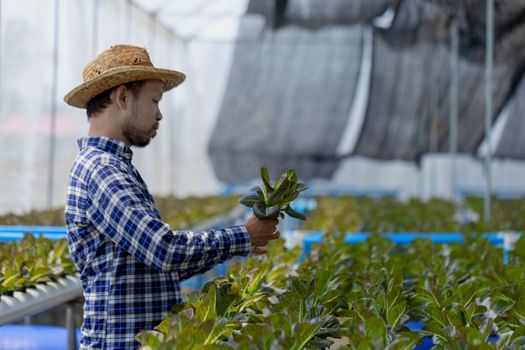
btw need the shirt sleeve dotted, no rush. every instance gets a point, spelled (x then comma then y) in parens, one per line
(119, 210)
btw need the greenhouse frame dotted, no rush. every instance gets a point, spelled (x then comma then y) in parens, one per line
(330, 174)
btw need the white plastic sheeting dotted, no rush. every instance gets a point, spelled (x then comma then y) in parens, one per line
(174, 163)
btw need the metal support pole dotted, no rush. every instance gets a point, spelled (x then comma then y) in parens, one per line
(71, 327)
(488, 107)
(433, 111)
(454, 103)
(53, 113)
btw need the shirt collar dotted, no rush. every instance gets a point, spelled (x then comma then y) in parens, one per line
(106, 144)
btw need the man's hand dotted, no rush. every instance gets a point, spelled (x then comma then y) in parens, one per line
(261, 231)
(259, 250)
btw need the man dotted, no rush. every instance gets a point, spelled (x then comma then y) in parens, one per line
(130, 262)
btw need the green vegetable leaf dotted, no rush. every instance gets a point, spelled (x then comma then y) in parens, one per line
(266, 179)
(301, 187)
(271, 202)
(150, 339)
(249, 200)
(259, 209)
(206, 309)
(303, 333)
(395, 314)
(294, 214)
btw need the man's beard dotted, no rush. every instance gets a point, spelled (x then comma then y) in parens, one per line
(132, 133)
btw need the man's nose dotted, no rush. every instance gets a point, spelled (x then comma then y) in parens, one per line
(159, 115)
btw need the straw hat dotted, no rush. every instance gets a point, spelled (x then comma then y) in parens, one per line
(118, 65)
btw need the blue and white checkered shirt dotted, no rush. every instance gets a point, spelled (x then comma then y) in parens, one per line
(130, 262)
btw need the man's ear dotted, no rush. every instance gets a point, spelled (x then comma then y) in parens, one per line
(119, 96)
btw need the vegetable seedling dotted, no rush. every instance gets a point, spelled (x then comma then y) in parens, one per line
(271, 201)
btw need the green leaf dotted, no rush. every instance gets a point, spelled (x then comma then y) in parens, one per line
(41, 274)
(266, 179)
(488, 329)
(281, 189)
(435, 329)
(206, 309)
(214, 346)
(395, 314)
(164, 326)
(259, 209)
(177, 308)
(59, 253)
(11, 279)
(286, 200)
(375, 327)
(19, 262)
(292, 303)
(501, 306)
(221, 328)
(518, 337)
(294, 214)
(518, 342)
(224, 301)
(150, 339)
(320, 343)
(301, 187)
(474, 336)
(260, 192)
(249, 200)
(272, 212)
(291, 175)
(330, 297)
(303, 332)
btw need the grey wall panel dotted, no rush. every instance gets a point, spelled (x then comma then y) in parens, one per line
(409, 101)
(288, 97)
(512, 141)
(319, 13)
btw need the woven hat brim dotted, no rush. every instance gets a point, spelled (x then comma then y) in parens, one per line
(82, 94)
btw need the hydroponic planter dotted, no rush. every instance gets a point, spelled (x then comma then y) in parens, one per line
(15, 233)
(399, 238)
(39, 298)
(10, 233)
(427, 341)
(36, 337)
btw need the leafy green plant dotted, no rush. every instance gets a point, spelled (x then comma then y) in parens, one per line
(271, 201)
(463, 295)
(506, 215)
(31, 261)
(177, 212)
(363, 294)
(186, 212)
(260, 304)
(350, 214)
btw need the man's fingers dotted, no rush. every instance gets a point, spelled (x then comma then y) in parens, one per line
(259, 250)
(274, 221)
(262, 231)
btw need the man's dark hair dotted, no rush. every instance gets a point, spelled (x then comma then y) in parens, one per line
(101, 101)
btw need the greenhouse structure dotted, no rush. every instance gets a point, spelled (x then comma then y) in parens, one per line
(262, 174)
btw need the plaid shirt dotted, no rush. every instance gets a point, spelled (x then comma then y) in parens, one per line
(130, 262)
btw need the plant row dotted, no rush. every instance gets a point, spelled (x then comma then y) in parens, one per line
(366, 295)
(31, 261)
(348, 214)
(177, 212)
